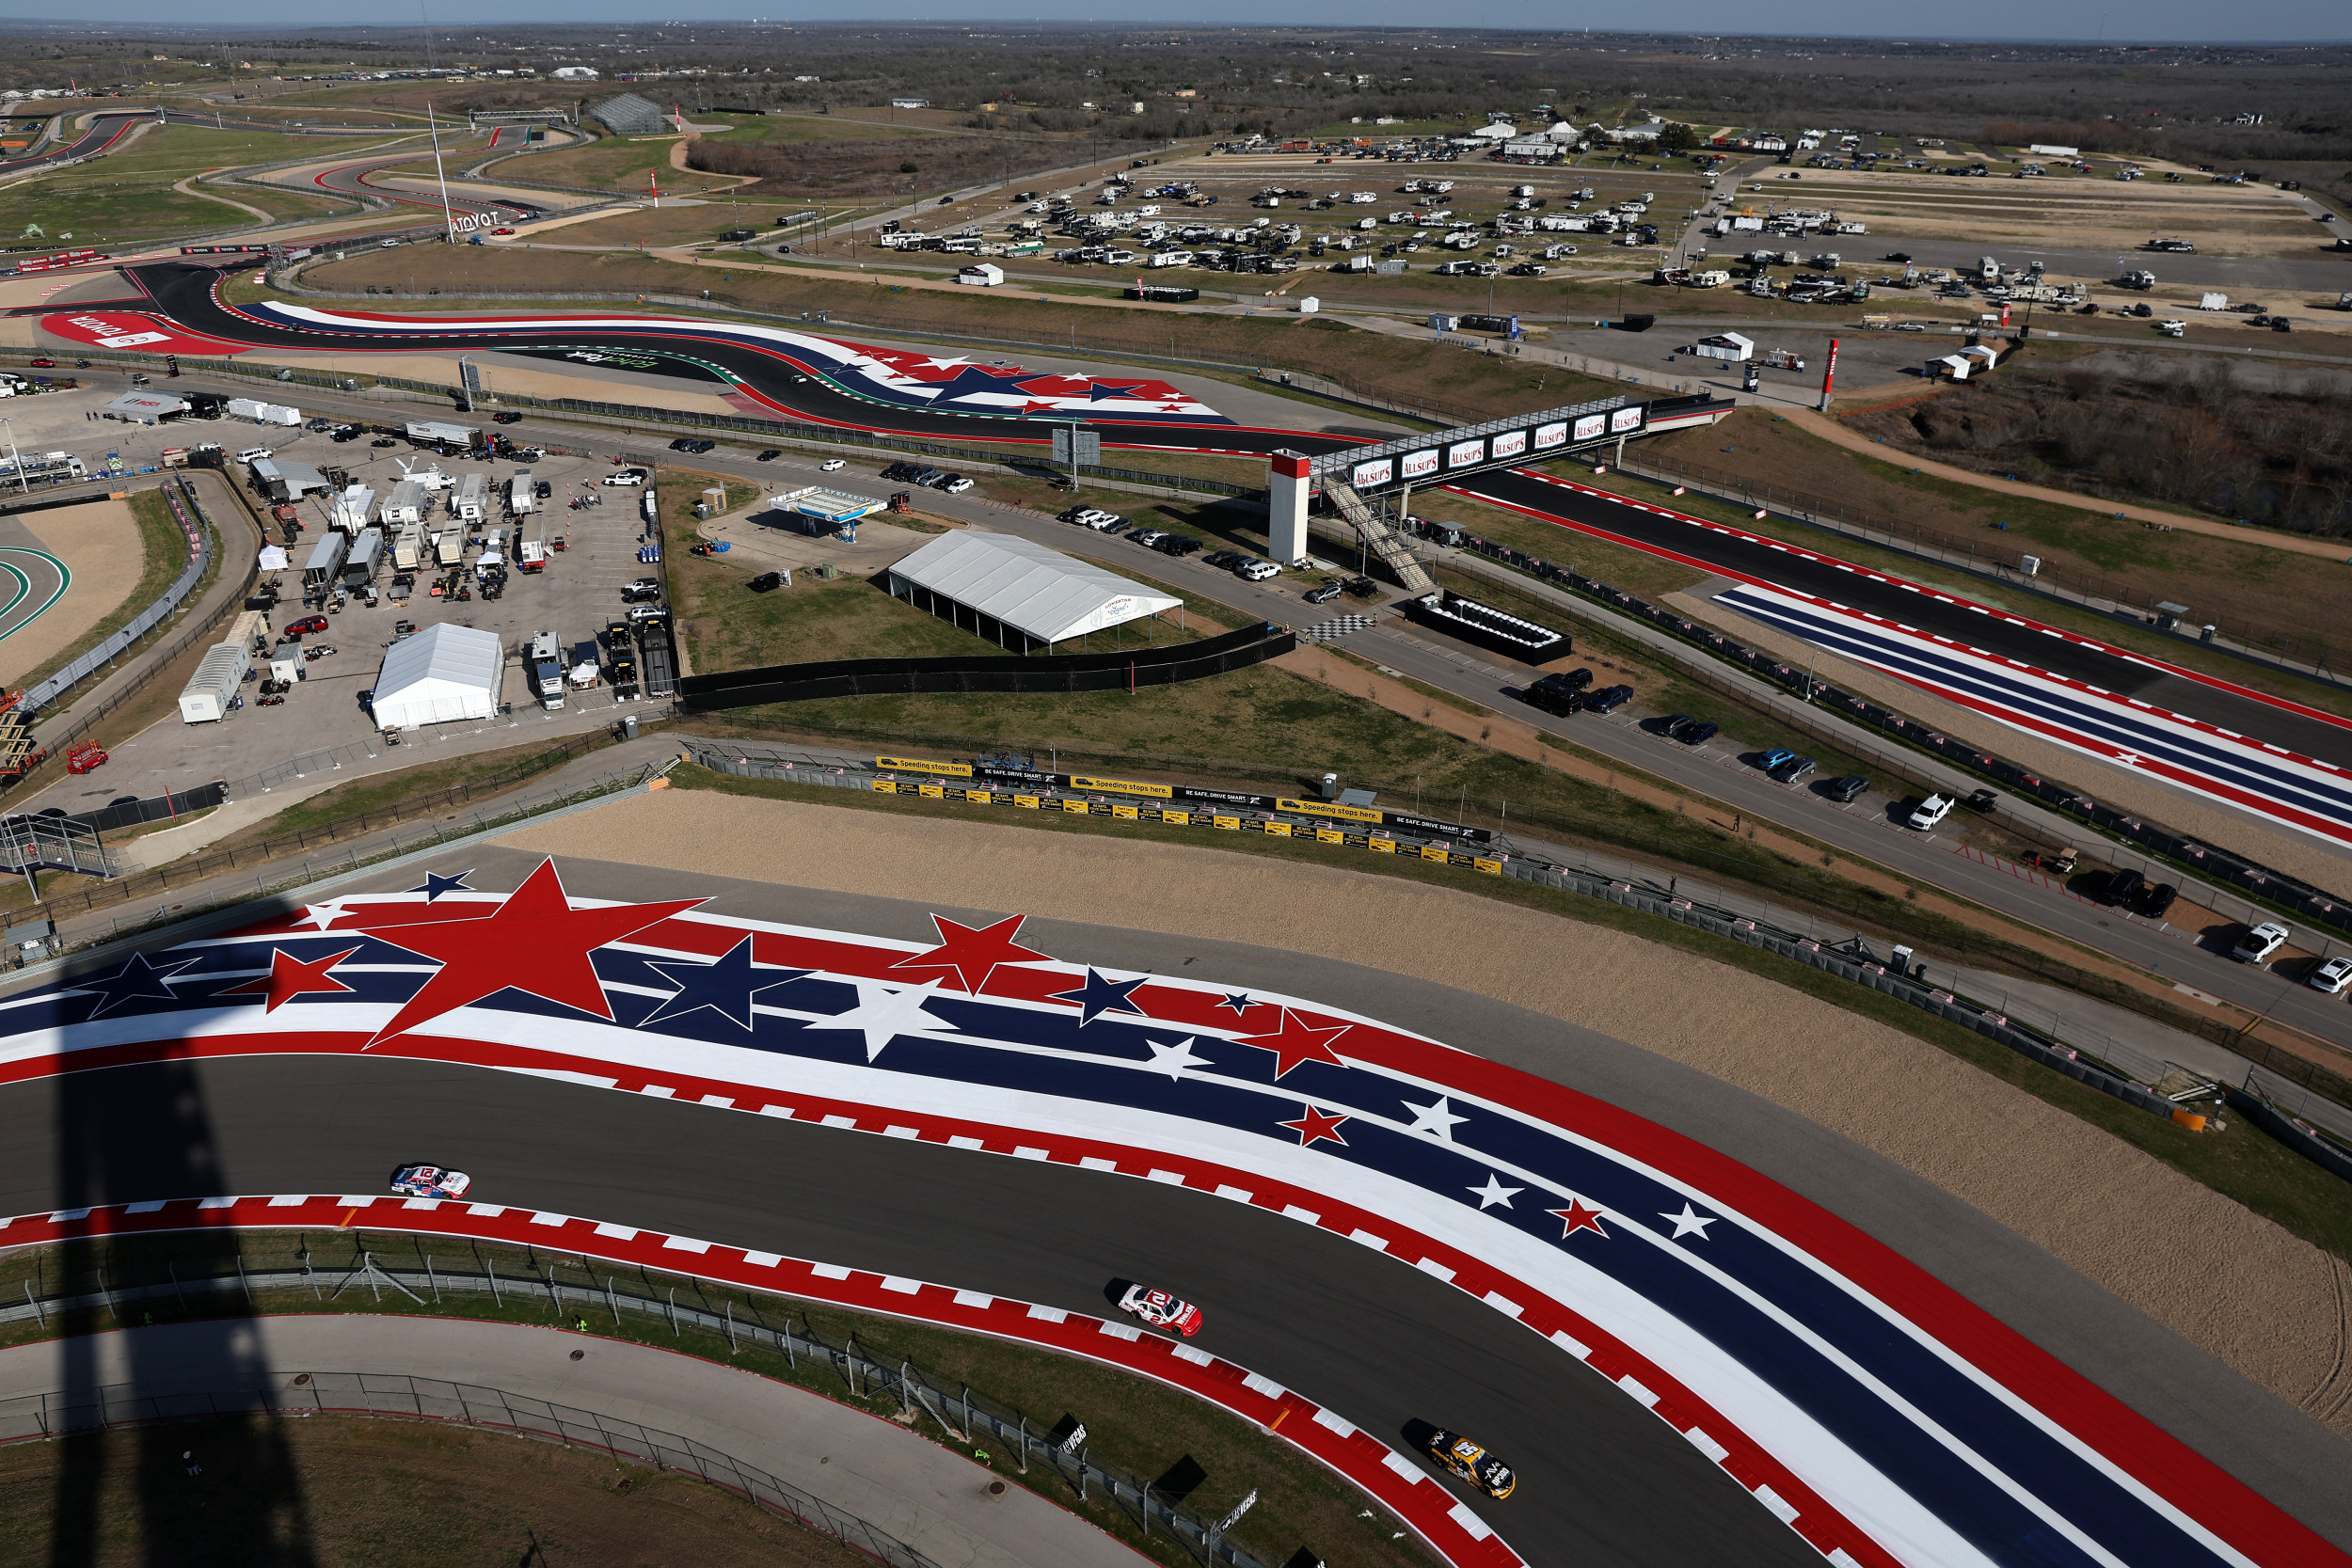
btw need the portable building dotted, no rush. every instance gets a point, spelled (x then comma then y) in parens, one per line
(353, 509)
(213, 689)
(1725, 345)
(367, 552)
(406, 547)
(471, 501)
(522, 495)
(448, 546)
(1017, 593)
(146, 407)
(406, 505)
(326, 561)
(439, 432)
(985, 276)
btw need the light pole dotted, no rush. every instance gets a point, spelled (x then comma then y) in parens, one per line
(16, 461)
(449, 224)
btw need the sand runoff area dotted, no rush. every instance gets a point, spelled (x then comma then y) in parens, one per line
(2257, 1298)
(99, 543)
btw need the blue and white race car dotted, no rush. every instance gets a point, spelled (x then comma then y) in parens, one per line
(430, 1182)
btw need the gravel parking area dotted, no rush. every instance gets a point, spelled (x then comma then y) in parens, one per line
(2257, 1298)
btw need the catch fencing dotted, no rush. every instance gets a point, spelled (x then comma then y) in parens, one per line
(2250, 878)
(958, 1413)
(197, 529)
(1065, 672)
(401, 1395)
(2305, 655)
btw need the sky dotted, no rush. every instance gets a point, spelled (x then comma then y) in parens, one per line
(2145, 20)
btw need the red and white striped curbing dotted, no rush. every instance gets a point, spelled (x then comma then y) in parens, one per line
(1453, 1529)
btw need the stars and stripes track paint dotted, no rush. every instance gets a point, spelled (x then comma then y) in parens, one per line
(2297, 791)
(1878, 1413)
(1454, 1529)
(2285, 787)
(940, 383)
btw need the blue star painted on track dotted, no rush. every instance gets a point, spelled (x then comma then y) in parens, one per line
(726, 985)
(1238, 1000)
(1097, 392)
(138, 980)
(1100, 995)
(435, 884)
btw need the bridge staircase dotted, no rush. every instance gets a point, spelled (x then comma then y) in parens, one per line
(1393, 549)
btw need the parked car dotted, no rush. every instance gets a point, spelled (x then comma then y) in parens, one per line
(1223, 557)
(2154, 899)
(1471, 1462)
(1609, 699)
(1115, 527)
(1179, 544)
(1795, 770)
(2122, 887)
(1847, 790)
(625, 477)
(767, 582)
(506, 416)
(774, 453)
(1930, 811)
(1323, 594)
(1699, 734)
(2331, 977)
(1147, 536)
(308, 623)
(830, 465)
(1257, 571)
(1161, 1310)
(2260, 943)
(1774, 758)
(430, 1182)
(546, 489)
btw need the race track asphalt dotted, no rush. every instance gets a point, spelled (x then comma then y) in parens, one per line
(1603, 1483)
(186, 294)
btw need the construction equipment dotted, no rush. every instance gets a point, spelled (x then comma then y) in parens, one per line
(1381, 538)
(85, 756)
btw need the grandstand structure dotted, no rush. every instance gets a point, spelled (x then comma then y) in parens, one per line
(628, 115)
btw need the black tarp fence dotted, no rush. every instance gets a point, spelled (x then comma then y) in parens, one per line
(883, 677)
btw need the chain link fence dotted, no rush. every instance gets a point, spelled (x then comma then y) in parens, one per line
(203, 541)
(953, 1407)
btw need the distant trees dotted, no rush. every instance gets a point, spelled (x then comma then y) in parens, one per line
(1677, 137)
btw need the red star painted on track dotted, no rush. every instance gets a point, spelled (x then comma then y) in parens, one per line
(1315, 1126)
(289, 977)
(971, 954)
(1577, 1217)
(535, 942)
(1295, 1040)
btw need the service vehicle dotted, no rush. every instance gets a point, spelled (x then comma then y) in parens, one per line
(2260, 942)
(1930, 811)
(430, 1182)
(1161, 1310)
(627, 476)
(1471, 1462)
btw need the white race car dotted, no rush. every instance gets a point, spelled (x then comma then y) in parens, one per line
(1161, 1311)
(430, 1182)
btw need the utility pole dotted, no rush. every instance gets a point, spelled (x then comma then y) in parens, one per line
(449, 224)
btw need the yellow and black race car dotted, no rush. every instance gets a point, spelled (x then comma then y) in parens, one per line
(1472, 1463)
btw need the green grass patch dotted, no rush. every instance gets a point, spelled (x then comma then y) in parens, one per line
(2240, 1161)
(128, 195)
(800, 128)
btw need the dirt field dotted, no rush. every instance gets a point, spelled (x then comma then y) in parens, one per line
(355, 1493)
(100, 545)
(2258, 1299)
(2085, 214)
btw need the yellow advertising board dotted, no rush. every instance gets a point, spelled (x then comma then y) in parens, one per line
(1321, 808)
(1124, 786)
(916, 765)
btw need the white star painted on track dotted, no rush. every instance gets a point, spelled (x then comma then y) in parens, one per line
(885, 1013)
(1437, 1119)
(947, 364)
(322, 915)
(1690, 1223)
(1174, 1059)
(1494, 1192)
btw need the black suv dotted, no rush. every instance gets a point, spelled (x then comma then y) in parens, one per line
(1556, 694)
(1223, 557)
(2154, 899)
(1178, 544)
(1846, 790)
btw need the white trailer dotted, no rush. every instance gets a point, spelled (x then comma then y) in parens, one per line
(405, 505)
(522, 495)
(367, 552)
(439, 432)
(326, 561)
(448, 546)
(213, 689)
(352, 510)
(406, 546)
(470, 501)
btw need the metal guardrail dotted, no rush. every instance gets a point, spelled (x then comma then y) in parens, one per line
(401, 1395)
(197, 529)
(953, 1407)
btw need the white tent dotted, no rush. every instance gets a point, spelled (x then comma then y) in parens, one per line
(442, 673)
(1005, 588)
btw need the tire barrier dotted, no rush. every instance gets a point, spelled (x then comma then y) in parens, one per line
(1856, 1398)
(877, 677)
(2250, 878)
(1453, 1530)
